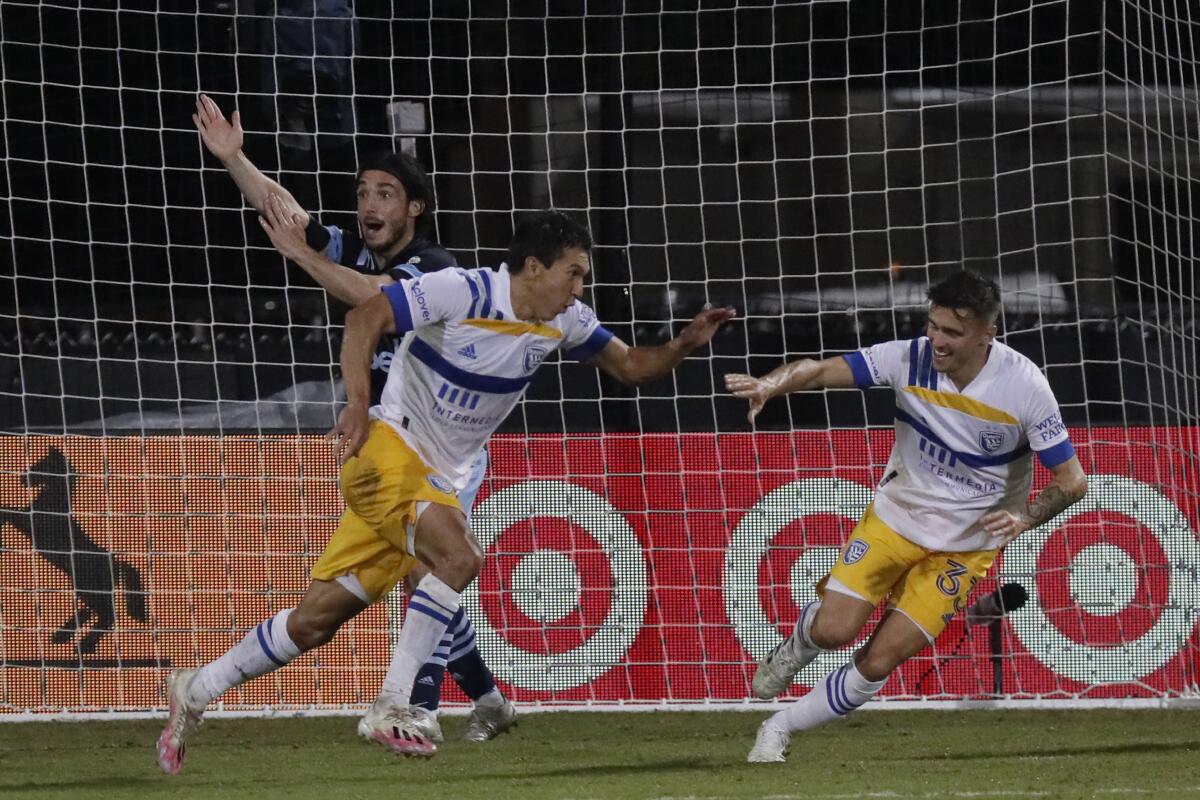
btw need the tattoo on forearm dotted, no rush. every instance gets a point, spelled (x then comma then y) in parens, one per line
(1049, 502)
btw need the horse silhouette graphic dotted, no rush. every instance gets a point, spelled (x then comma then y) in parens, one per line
(59, 539)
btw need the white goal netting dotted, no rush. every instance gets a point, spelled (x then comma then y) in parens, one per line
(165, 376)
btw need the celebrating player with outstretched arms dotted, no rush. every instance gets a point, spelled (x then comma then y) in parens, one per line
(477, 338)
(970, 414)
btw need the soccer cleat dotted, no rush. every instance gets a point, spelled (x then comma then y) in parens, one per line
(770, 746)
(401, 729)
(428, 725)
(181, 721)
(777, 671)
(488, 722)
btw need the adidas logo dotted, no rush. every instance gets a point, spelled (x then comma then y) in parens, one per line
(426, 681)
(468, 351)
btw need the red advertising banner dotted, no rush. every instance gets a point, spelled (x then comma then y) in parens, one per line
(621, 568)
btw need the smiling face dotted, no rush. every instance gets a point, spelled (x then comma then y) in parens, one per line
(556, 287)
(386, 216)
(960, 342)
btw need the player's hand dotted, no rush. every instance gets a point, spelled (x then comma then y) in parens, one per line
(757, 390)
(222, 138)
(350, 432)
(1005, 524)
(703, 326)
(285, 227)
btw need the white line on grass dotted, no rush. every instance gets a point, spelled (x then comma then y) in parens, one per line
(890, 795)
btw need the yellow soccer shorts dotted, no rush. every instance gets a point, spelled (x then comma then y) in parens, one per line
(382, 487)
(928, 586)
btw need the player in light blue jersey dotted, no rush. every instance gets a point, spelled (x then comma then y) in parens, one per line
(971, 413)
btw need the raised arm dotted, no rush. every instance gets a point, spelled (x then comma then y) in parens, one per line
(224, 140)
(1067, 487)
(364, 325)
(634, 365)
(795, 376)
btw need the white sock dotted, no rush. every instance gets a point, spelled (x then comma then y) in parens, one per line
(804, 625)
(263, 649)
(429, 612)
(836, 696)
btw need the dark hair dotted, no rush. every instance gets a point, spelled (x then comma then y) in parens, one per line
(545, 235)
(968, 290)
(411, 175)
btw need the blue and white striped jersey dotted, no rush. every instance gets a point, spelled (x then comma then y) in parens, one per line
(960, 452)
(468, 361)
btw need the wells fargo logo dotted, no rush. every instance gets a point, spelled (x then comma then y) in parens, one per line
(92, 570)
(122, 557)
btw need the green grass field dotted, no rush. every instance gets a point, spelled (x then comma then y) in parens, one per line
(919, 754)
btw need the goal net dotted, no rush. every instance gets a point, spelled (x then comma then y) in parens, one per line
(165, 376)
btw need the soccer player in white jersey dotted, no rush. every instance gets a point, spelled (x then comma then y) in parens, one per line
(394, 211)
(971, 413)
(478, 336)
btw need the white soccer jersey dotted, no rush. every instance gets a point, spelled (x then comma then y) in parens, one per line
(960, 453)
(468, 361)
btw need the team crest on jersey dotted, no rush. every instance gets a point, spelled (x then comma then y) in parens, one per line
(534, 355)
(441, 484)
(991, 441)
(855, 551)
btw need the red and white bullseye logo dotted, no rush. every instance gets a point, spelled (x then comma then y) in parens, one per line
(565, 580)
(1110, 601)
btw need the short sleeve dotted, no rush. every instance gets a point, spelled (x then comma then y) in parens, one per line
(884, 364)
(583, 336)
(1044, 427)
(428, 300)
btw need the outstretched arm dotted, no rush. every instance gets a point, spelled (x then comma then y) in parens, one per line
(364, 325)
(286, 230)
(796, 376)
(1067, 487)
(634, 365)
(223, 139)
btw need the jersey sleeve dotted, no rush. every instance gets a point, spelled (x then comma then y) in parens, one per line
(428, 300)
(584, 336)
(883, 364)
(1044, 427)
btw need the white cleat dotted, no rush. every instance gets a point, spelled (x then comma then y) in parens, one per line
(777, 671)
(182, 719)
(401, 729)
(427, 723)
(770, 746)
(488, 722)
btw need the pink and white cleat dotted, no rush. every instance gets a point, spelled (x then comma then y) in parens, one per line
(398, 728)
(181, 721)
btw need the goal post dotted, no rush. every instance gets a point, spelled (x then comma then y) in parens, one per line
(165, 376)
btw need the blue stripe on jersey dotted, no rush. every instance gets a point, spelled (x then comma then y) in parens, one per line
(474, 296)
(926, 364)
(408, 269)
(859, 369)
(1053, 456)
(594, 344)
(491, 384)
(399, 300)
(970, 459)
(333, 250)
(487, 294)
(914, 354)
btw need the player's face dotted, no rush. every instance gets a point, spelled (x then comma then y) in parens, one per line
(385, 214)
(559, 285)
(960, 339)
